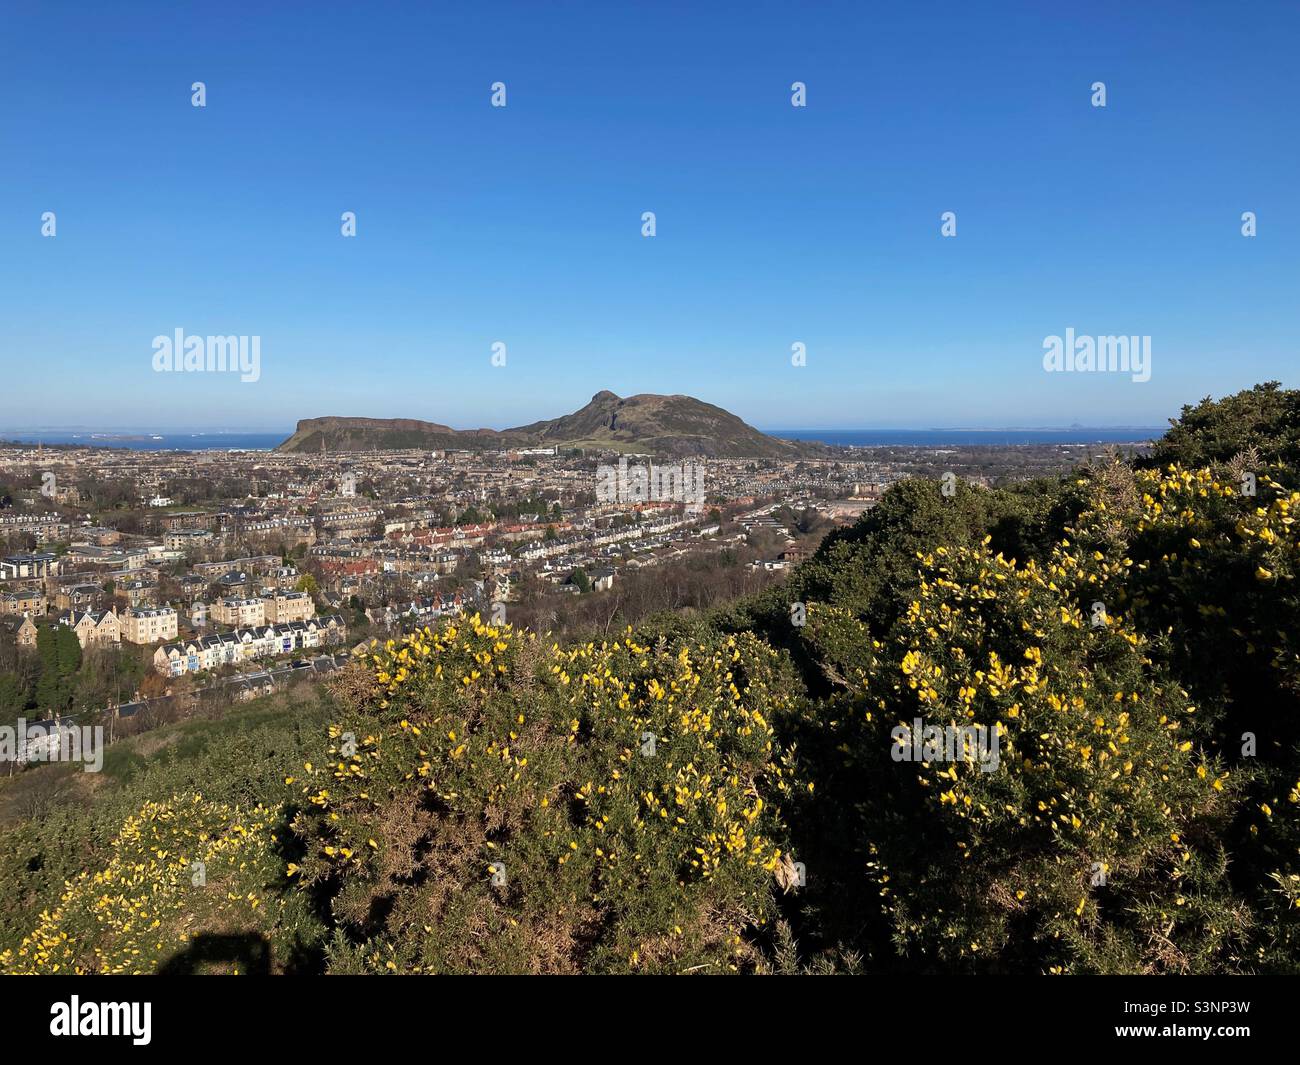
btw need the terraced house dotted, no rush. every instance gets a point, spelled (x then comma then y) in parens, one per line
(44, 527)
(242, 645)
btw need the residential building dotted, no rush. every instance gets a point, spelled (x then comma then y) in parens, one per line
(139, 593)
(41, 564)
(27, 634)
(284, 577)
(78, 597)
(289, 606)
(235, 583)
(31, 601)
(96, 535)
(44, 527)
(240, 612)
(241, 645)
(253, 563)
(123, 558)
(193, 586)
(188, 519)
(93, 628)
(186, 539)
(149, 626)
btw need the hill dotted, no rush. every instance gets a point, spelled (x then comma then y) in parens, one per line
(674, 426)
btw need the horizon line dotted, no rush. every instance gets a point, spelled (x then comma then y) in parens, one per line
(201, 431)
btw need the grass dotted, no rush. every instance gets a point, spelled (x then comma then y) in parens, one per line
(174, 748)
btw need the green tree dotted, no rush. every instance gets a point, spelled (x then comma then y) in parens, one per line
(12, 697)
(59, 654)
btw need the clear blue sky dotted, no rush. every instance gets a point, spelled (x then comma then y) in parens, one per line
(775, 224)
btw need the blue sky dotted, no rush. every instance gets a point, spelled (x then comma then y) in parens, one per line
(522, 224)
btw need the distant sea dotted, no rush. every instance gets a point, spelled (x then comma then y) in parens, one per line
(967, 437)
(217, 441)
(149, 441)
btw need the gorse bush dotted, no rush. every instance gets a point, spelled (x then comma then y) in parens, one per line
(1046, 728)
(187, 863)
(1089, 845)
(1210, 571)
(1144, 815)
(490, 806)
(1264, 420)
(237, 762)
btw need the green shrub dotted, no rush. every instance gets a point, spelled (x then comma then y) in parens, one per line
(490, 806)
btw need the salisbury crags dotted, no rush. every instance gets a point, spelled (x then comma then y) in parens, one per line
(660, 425)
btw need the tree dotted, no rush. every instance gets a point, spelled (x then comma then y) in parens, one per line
(152, 685)
(12, 697)
(59, 653)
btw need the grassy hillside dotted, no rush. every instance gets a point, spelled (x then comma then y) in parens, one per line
(62, 828)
